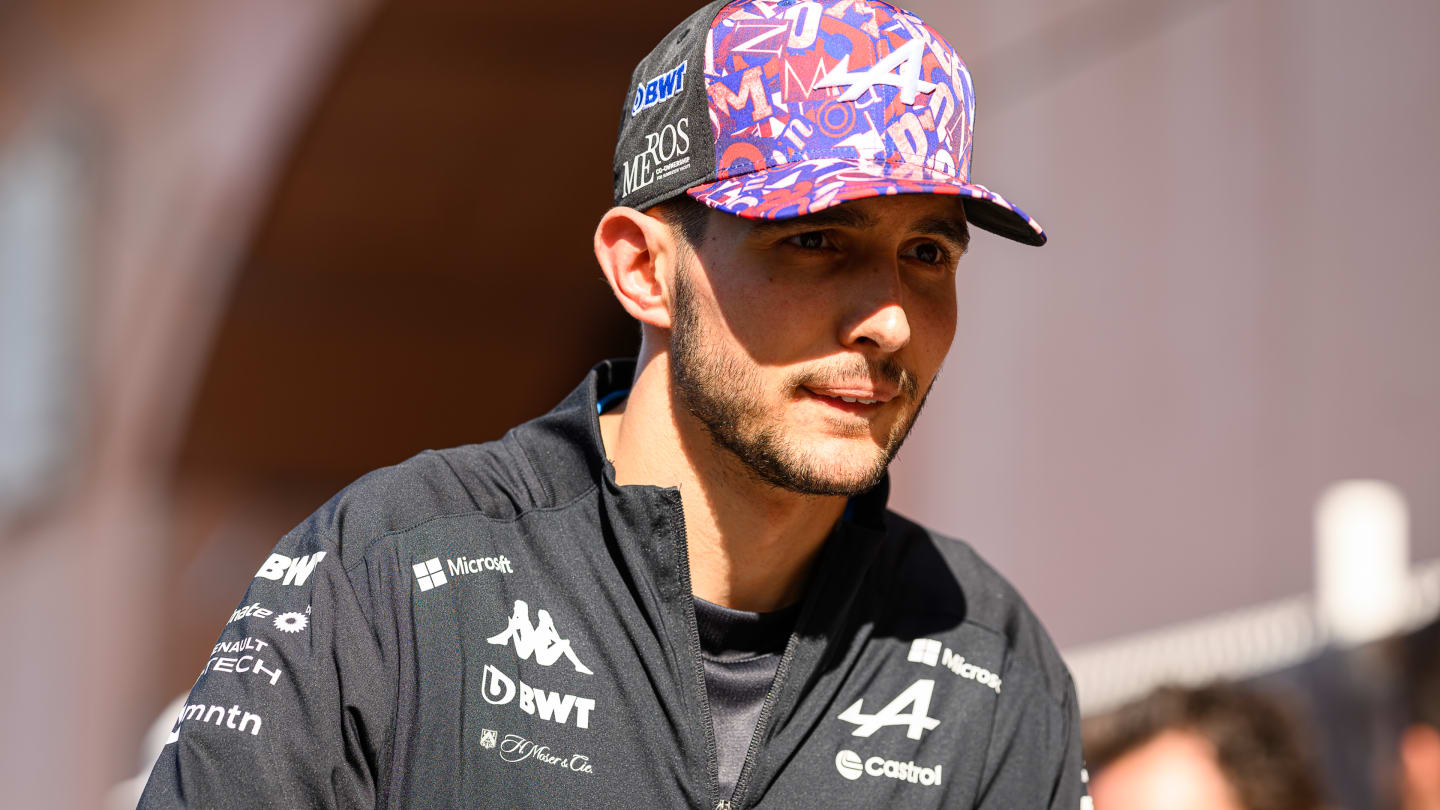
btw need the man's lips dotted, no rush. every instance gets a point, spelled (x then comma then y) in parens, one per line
(856, 400)
(868, 394)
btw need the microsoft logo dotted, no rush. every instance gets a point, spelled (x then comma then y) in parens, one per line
(922, 650)
(429, 575)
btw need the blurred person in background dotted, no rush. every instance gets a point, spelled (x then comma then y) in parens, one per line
(1217, 747)
(1420, 741)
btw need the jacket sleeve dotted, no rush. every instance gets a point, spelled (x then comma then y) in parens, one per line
(294, 706)
(1035, 758)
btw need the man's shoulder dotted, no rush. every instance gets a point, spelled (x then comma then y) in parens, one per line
(933, 573)
(492, 480)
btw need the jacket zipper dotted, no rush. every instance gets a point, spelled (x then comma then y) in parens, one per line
(762, 724)
(767, 708)
(712, 759)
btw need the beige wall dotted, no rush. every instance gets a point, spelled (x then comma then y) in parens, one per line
(1237, 306)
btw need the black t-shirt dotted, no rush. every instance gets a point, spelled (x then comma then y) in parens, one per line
(741, 652)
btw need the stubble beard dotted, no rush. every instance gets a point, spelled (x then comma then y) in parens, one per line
(726, 396)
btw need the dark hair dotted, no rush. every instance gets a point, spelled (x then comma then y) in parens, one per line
(1257, 743)
(686, 216)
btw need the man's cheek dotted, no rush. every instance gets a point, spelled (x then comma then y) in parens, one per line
(934, 334)
(782, 324)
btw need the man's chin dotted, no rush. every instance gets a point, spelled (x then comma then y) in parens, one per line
(838, 467)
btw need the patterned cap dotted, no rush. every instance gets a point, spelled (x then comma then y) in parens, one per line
(809, 103)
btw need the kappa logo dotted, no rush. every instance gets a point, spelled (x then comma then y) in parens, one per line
(540, 640)
(289, 570)
(909, 58)
(661, 88)
(917, 720)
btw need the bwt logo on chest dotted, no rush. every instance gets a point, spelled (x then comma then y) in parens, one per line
(661, 88)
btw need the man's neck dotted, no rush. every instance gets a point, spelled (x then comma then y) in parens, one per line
(751, 543)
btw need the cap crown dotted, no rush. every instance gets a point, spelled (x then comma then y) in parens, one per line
(846, 79)
(781, 82)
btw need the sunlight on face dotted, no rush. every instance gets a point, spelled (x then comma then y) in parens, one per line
(806, 347)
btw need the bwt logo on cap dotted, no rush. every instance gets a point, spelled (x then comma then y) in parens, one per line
(661, 88)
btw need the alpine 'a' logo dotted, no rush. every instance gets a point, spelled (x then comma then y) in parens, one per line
(918, 719)
(541, 640)
(907, 57)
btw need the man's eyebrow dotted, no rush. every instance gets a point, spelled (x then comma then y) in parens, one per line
(830, 217)
(951, 228)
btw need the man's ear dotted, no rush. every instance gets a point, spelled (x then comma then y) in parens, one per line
(638, 255)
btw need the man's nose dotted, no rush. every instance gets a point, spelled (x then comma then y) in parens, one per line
(878, 317)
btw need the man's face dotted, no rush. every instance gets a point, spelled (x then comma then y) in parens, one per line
(806, 347)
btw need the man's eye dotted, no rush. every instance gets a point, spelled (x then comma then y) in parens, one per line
(927, 252)
(809, 240)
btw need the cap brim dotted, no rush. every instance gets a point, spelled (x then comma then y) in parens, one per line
(804, 187)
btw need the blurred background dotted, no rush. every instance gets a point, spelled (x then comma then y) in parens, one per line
(250, 251)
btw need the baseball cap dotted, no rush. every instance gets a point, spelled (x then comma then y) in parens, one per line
(775, 109)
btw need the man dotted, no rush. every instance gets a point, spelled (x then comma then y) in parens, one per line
(1216, 747)
(681, 587)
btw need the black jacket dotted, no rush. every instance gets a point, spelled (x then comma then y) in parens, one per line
(501, 625)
